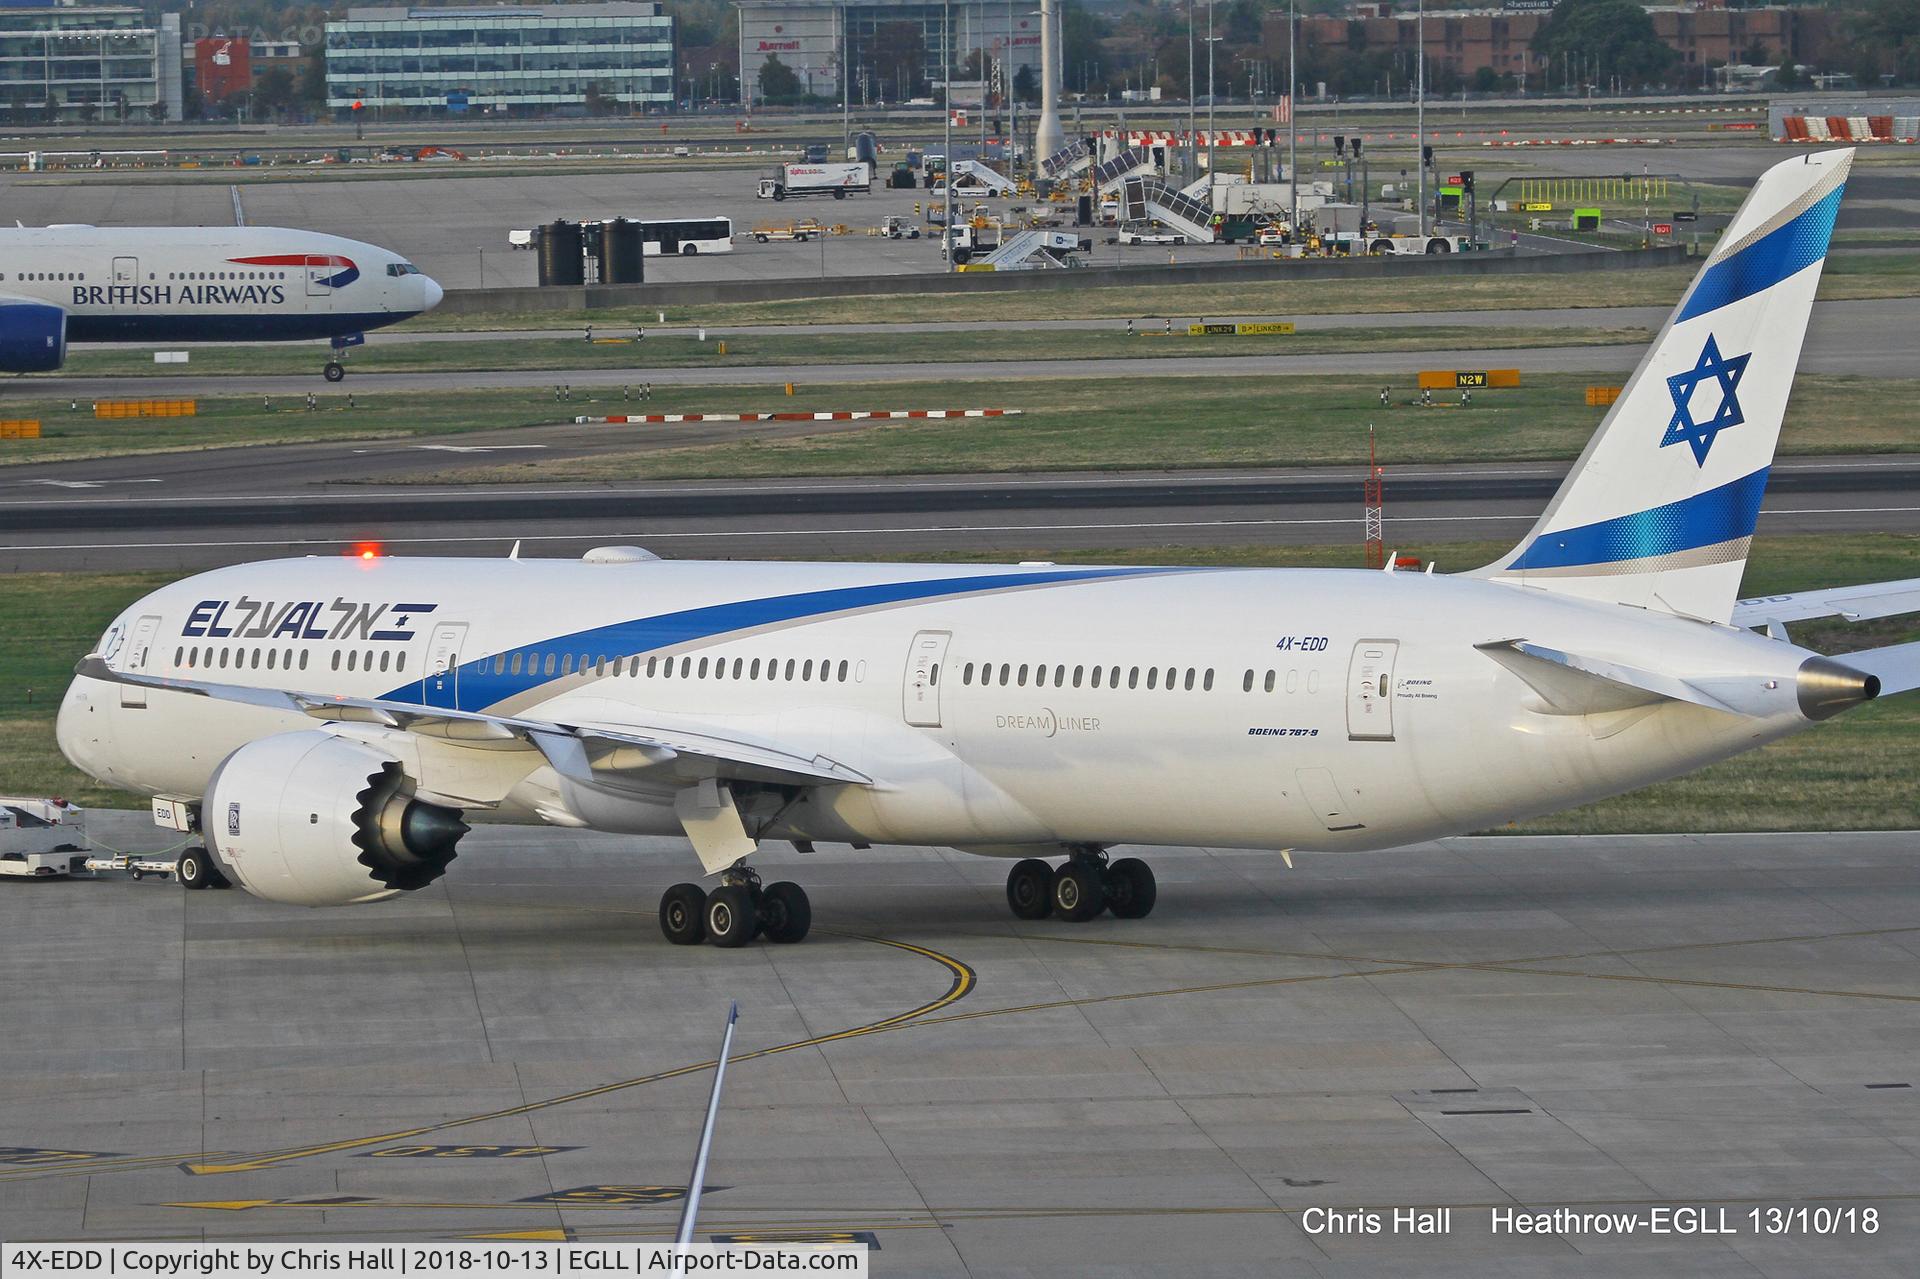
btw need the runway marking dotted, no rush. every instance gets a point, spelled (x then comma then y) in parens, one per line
(962, 984)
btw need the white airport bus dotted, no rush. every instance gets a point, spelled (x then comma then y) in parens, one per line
(686, 237)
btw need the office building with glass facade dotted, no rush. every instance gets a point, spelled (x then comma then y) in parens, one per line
(68, 62)
(513, 59)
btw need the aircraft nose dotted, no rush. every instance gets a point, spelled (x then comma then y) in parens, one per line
(82, 727)
(431, 292)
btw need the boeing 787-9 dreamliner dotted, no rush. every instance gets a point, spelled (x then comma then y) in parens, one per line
(331, 725)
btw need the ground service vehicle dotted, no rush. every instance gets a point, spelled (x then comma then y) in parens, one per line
(816, 179)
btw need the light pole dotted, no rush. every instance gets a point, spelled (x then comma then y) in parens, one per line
(1293, 128)
(946, 96)
(1420, 108)
(1212, 54)
(1190, 79)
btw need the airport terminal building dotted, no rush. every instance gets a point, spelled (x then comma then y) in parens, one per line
(523, 59)
(805, 35)
(67, 63)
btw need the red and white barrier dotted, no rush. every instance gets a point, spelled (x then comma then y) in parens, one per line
(843, 415)
(1847, 128)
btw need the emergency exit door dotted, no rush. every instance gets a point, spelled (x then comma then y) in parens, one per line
(920, 698)
(1370, 691)
(440, 681)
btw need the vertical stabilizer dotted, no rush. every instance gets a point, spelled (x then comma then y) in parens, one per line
(1659, 511)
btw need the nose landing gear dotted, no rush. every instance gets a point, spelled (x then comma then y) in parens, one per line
(735, 912)
(336, 368)
(1083, 886)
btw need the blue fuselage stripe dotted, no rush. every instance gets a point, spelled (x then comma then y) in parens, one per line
(1705, 519)
(237, 327)
(478, 687)
(1782, 252)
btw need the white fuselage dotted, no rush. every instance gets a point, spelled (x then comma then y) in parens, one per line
(995, 708)
(147, 284)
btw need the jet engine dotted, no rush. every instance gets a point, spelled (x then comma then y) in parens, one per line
(312, 819)
(33, 336)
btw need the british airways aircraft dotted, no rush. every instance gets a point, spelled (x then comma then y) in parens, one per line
(330, 726)
(195, 284)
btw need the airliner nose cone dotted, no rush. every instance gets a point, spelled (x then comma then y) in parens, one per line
(432, 292)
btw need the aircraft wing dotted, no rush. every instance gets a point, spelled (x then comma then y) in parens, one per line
(674, 754)
(1854, 603)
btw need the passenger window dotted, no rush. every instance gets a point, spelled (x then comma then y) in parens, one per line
(1269, 681)
(351, 658)
(1383, 686)
(843, 670)
(384, 659)
(966, 674)
(513, 667)
(1059, 675)
(1206, 684)
(633, 667)
(1096, 676)
(553, 660)
(652, 663)
(1153, 677)
(599, 666)
(271, 655)
(703, 667)
(1078, 671)
(1133, 677)
(789, 668)
(933, 675)
(686, 668)
(1040, 676)
(566, 664)
(1246, 685)
(739, 665)
(1189, 685)
(1005, 673)
(336, 659)
(806, 672)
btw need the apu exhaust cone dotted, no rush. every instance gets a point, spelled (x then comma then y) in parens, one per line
(1826, 687)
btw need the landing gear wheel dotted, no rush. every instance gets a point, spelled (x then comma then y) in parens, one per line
(335, 371)
(1131, 890)
(1078, 893)
(193, 870)
(731, 915)
(683, 914)
(785, 912)
(1030, 889)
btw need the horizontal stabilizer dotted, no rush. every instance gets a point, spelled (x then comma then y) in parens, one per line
(1575, 684)
(1897, 667)
(1854, 603)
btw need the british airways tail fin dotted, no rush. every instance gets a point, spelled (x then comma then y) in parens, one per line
(1660, 509)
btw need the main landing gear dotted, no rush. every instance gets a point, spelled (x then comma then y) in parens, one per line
(1086, 884)
(736, 912)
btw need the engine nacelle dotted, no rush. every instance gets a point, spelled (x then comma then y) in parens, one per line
(33, 336)
(312, 819)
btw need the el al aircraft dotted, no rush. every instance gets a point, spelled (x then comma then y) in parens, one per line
(195, 284)
(331, 725)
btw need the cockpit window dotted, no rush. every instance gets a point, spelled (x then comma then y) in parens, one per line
(402, 268)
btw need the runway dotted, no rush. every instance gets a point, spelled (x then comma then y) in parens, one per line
(1606, 1025)
(197, 521)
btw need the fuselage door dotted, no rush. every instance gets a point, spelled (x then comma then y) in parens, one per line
(920, 699)
(1370, 691)
(320, 273)
(126, 270)
(440, 681)
(135, 657)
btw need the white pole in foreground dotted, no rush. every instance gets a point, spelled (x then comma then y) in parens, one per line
(1420, 108)
(698, 1180)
